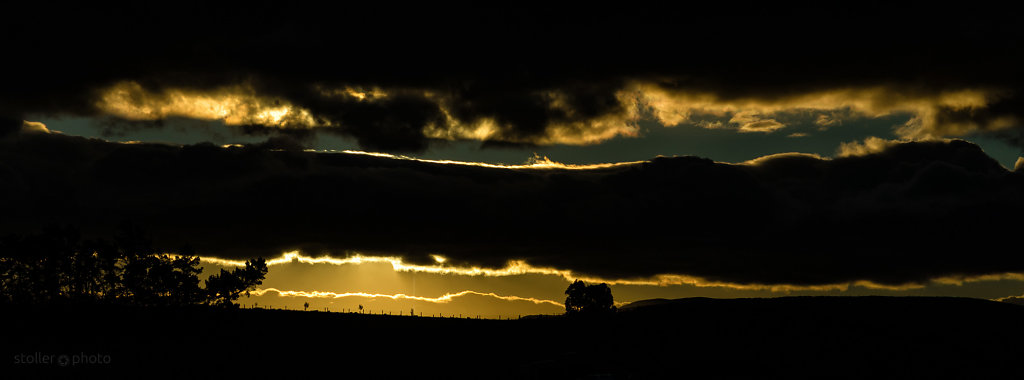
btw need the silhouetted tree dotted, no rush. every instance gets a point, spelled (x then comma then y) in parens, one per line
(305, 306)
(224, 288)
(57, 265)
(185, 277)
(149, 278)
(588, 299)
(163, 280)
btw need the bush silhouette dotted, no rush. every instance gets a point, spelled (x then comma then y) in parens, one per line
(583, 299)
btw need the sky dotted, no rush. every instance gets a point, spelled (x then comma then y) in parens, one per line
(475, 161)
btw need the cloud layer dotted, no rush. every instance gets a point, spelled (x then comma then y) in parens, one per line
(904, 212)
(397, 78)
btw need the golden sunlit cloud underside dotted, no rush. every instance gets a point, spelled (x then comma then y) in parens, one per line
(234, 105)
(242, 105)
(754, 114)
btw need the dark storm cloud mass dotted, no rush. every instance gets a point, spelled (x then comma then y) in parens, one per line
(538, 74)
(911, 212)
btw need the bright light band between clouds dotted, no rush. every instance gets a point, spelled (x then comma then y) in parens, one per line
(520, 267)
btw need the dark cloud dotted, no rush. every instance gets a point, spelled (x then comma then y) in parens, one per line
(9, 126)
(911, 212)
(395, 78)
(392, 124)
(1013, 299)
(539, 74)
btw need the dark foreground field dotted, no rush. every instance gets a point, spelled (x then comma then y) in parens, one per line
(867, 337)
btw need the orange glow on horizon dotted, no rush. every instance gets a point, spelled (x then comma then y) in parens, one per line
(521, 267)
(446, 298)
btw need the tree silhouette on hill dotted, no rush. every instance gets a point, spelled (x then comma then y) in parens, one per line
(56, 265)
(583, 299)
(226, 287)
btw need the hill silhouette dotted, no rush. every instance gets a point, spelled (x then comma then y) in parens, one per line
(799, 337)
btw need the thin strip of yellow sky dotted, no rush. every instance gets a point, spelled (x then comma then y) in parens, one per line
(520, 267)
